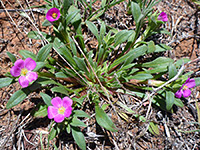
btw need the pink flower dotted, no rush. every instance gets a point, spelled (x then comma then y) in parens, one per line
(163, 17)
(23, 68)
(53, 14)
(60, 109)
(184, 90)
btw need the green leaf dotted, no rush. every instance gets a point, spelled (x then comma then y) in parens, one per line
(61, 89)
(169, 100)
(141, 76)
(122, 36)
(44, 52)
(76, 123)
(17, 97)
(46, 23)
(93, 29)
(79, 138)
(151, 47)
(63, 51)
(162, 48)
(80, 113)
(41, 112)
(12, 57)
(130, 56)
(136, 12)
(172, 71)
(160, 61)
(46, 98)
(181, 61)
(35, 35)
(52, 133)
(103, 119)
(5, 82)
(178, 102)
(66, 5)
(81, 63)
(27, 54)
(153, 128)
(197, 81)
(45, 81)
(71, 16)
(39, 66)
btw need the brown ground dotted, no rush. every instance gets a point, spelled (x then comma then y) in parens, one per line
(19, 130)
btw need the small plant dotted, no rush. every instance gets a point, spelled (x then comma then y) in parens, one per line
(76, 74)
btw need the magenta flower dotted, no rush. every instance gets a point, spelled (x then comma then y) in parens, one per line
(184, 90)
(23, 68)
(53, 14)
(60, 109)
(163, 17)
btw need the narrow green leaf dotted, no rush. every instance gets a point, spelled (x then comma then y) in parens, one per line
(130, 56)
(169, 100)
(39, 66)
(153, 128)
(151, 47)
(79, 138)
(81, 63)
(63, 51)
(44, 52)
(141, 76)
(197, 81)
(5, 82)
(178, 102)
(77, 123)
(66, 5)
(122, 36)
(136, 12)
(172, 71)
(93, 29)
(17, 97)
(162, 48)
(35, 35)
(41, 112)
(27, 54)
(80, 113)
(71, 16)
(160, 61)
(61, 89)
(103, 119)
(46, 98)
(46, 23)
(12, 57)
(52, 133)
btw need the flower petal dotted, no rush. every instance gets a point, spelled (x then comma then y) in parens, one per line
(23, 81)
(50, 12)
(67, 102)
(179, 93)
(68, 111)
(31, 76)
(191, 83)
(19, 63)
(52, 112)
(186, 93)
(59, 118)
(30, 64)
(15, 71)
(163, 17)
(57, 102)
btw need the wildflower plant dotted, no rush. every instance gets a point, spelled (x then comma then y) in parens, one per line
(78, 74)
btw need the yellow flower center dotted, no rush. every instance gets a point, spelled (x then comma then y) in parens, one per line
(54, 15)
(24, 71)
(61, 110)
(185, 87)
